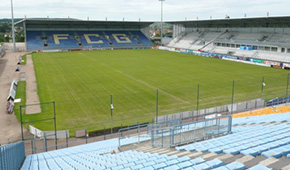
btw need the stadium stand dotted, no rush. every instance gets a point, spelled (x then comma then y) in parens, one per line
(57, 34)
(37, 40)
(267, 148)
(261, 48)
(249, 37)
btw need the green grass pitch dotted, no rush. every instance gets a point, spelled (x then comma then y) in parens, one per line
(81, 84)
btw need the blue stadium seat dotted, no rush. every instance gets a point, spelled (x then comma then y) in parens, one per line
(215, 163)
(259, 167)
(172, 167)
(202, 166)
(41, 40)
(267, 140)
(184, 164)
(147, 168)
(159, 165)
(236, 166)
(197, 161)
(221, 168)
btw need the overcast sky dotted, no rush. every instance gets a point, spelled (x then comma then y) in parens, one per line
(147, 10)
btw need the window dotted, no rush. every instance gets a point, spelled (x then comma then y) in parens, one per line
(275, 49)
(267, 48)
(282, 50)
(261, 48)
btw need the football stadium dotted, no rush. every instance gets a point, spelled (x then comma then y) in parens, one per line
(90, 94)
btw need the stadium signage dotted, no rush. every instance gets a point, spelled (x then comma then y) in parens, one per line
(93, 38)
(231, 58)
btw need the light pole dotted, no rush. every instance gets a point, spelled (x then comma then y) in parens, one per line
(157, 106)
(13, 32)
(112, 107)
(287, 87)
(161, 31)
(263, 85)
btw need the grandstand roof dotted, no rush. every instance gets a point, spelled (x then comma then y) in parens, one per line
(238, 22)
(50, 23)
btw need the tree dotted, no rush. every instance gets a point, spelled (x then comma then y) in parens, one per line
(2, 38)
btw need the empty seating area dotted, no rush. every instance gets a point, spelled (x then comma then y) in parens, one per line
(129, 160)
(209, 36)
(69, 158)
(244, 141)
(248, 37)
(273, 56)
(39, 40)
(272, 118)
(259, 139)
(264, 45)
(254, 142)
(279, 38)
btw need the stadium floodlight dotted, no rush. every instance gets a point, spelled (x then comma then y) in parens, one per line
(161, 30)
(13, 31)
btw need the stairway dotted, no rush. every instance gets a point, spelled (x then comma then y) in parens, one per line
(213, 40)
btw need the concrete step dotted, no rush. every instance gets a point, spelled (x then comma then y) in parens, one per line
(224, 157)
(195, 155)
(148, 149)
(286, 167)
(185, 153)
(169, 153)
(208, 155)
(245, 158)
(215, 156)
(255, 161)
(233, 158)
(162, 151)
(269, 161)
(281, 163)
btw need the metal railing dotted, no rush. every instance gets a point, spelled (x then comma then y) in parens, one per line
(143, 130)
(186, 133)
(12, 156)
(138, 131)
(233, 108)
(163, 124)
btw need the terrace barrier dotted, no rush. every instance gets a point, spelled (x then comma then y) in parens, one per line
(12, 156)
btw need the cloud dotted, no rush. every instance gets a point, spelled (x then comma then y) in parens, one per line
(144, 9)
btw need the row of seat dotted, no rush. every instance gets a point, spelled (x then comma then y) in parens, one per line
(37, 40)
(272, 118)
(52, 159)
(78, 158)
(269, 140)
(133, 160)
